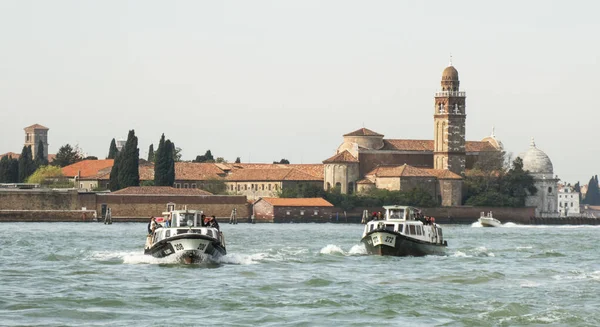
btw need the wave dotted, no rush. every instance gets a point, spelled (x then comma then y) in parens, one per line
(358, 249)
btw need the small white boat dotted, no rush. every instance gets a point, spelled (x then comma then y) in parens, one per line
(181, 233)
(403, 232)
(487, 220)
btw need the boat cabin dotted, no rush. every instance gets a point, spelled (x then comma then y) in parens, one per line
(183, 218)
(407, 221)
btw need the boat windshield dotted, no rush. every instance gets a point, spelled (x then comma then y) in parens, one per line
(396, 213)
(186, 219)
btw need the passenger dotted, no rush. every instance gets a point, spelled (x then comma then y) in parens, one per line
(151, 225)
(204, 220)
(168, 221)
(213, 222)
(374, 216)
(379, 216)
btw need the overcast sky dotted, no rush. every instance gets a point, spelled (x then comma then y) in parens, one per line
(265, 80)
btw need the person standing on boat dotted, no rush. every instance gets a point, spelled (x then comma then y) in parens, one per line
(151, 225)
(204, 220)
(168, 221)
(213, 222)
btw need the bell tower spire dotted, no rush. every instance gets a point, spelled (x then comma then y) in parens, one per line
(449, 122)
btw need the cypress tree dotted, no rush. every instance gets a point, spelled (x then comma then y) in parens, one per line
(592, 196)
(170, 178)
(160, 165)
(4, 167)
(238, 160)
(40, 158)
(151, 153)
(113, 183)
(12, 175)
(26, 165)
(129, 165)
(112, 151)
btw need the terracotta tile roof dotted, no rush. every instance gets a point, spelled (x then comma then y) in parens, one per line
(363, 132)
(146, 172)
(87, 168)
(35, 126)
(311, 169)
(444, 174)
(18, 155)
(297, 202)
(410, 171)
(197, 171)
(160, 190)
(343, 156)
(427, 145)
(365, 181)
(11, 154)
(267, 174)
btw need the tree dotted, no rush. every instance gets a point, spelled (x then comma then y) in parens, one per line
(207, 157)
(592, 197)
(9, 170)
(577, 188)
(90, 158)
(66, 155)
(129, 165)
(176, 153)
(113, 183)
(112, 150)
(40, 158)
(220, 160)
(282, 161)
(238, 160)
(26, 164)
(151, 153)
(164, 168)
(45, 175)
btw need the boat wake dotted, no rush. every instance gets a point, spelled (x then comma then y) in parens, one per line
(358, 249)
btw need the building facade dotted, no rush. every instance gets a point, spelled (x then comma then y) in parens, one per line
(568, 202)
(538, 164)
(35, 134)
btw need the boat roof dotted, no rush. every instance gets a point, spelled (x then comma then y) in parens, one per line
(398, 207)
(182, 211)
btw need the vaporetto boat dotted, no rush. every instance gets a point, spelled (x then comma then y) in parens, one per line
(185, 238)
(404, 232)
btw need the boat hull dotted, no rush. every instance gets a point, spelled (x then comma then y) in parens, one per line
(490, 223)
(188, 248)
(395, 244)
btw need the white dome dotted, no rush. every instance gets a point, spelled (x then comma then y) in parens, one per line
(536, 161)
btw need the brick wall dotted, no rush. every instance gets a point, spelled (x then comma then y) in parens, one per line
(47, 215)
(138, 206)
(38, 199)
(302, 214)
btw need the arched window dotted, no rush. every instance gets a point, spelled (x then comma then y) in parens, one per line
(338, 184)
(328, 186)
(549, 190)
(350, 188)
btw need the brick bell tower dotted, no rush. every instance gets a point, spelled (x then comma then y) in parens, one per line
(449, 123)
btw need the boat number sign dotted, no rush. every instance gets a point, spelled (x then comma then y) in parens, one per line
(178, 246)
(384, 239)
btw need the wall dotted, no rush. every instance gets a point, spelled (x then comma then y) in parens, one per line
(461, 215)
(47, 215)
(139, 206)
(38, 199)
(302, 214)
(371, 159)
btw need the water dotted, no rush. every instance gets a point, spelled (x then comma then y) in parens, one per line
(74, 274)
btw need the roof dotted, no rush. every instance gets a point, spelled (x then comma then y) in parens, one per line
(87, 168)
(18, 155)
(365, 181)
(315, 170)
(35, 126)
(197, 171)
(450, 72)
(297, 202)
(160, 190)
(363, 132)
(427, 145)
(411, 171)
(343, 156)
(269, 174)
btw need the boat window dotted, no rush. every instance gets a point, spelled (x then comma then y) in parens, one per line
(168, 233)
(418, 228)
(400, 228)
(439, 230)
(412, 230)
(389, 227)
(209, 233)
(397, 214)
(372, 227)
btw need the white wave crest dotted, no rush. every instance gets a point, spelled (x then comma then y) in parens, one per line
(240, 259)
(460, 254)
(358, 249)
(332, 249)
(476, 224)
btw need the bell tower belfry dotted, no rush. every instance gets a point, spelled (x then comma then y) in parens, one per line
(449, 122)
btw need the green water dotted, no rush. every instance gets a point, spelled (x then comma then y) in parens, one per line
(89, 274)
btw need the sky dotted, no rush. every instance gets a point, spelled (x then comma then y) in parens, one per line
(266, 80)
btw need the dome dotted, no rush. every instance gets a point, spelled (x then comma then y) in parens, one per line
(536, 161)
(450, 73)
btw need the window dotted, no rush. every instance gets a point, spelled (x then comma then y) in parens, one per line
(400, 228)
(560, 204)
(389, 227)
(263, 187)
(269, 187)
(177, 185)
(276, 187)
(571, 204)
(238, 187)
(193, 185)
(549, 190)
(412, 230)
(80, 185)
(246, 187)
(170, 206)
(185, 185)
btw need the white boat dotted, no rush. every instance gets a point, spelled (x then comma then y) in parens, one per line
(181, 233)
(404, 231)
(487, 220)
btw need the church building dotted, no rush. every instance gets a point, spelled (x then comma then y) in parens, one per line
(367, 160)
